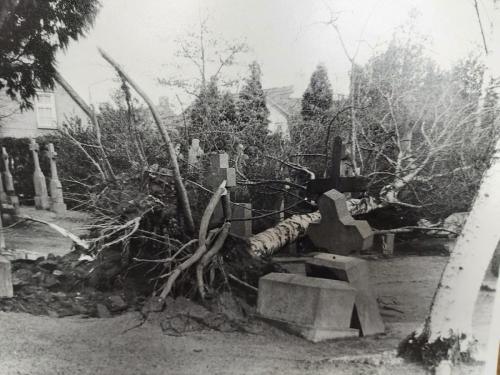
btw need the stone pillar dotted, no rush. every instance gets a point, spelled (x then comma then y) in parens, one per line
(384, 243)
(3, 196)
(6, 289)
(56, 193)
(41, 196)
(9, 181)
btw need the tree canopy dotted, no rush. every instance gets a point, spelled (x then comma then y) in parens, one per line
(31, 33)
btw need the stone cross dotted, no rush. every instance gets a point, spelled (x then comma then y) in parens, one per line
(9, 181)
(41, 196)
(56, 193)
(219, 171)
(194, 154)
(338, 232)
(335, 179)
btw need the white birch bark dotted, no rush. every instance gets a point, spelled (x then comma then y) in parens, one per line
(269, 241)
(453, 305)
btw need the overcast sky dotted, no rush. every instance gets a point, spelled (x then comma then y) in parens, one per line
(287, 37)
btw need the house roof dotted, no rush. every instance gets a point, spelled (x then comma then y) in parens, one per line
(280, 98)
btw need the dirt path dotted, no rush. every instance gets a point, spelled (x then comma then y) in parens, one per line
(44, 345)
(40, 238)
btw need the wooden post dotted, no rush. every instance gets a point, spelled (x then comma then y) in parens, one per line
(41, 196)
(9, 181)
(56, 193)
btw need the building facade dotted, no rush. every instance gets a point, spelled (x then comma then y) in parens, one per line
(51, 109)
(282, 107)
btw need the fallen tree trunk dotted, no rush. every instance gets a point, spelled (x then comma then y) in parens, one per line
(269, 241)
(290, 230)
(181, 189)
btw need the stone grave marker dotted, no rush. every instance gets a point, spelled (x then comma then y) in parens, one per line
(336, 179)
(338, 232)
(317, 309)
(4, 198)
(6, 290)
(366, 315)
(56, 192)
(41, 196)
(195, 152)
(9, 181)
(241, 211)
(219, 171)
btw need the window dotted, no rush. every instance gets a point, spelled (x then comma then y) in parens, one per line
(45, 108)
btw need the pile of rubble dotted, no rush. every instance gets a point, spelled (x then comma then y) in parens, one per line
(58, 286)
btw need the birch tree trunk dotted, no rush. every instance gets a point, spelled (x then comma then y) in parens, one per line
(269, 241)
(447, 330)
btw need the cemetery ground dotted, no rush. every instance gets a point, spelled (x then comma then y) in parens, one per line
(186, 338)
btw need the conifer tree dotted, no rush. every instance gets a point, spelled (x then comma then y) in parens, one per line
(317, 98)
(310, 131)
(252, 110)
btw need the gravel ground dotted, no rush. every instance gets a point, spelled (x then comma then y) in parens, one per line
(43, 345)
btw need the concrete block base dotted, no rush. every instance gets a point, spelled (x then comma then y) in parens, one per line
(314, 334)
(317, 309)
(6, 290)
(14, 200)
(366, 315)
(58, 208)
(42, 202)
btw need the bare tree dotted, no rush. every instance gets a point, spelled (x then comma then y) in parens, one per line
(418, 121)
(209, 55)
(447, 333)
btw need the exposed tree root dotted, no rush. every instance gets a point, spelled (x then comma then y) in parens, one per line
(455, 348)
(203, 243)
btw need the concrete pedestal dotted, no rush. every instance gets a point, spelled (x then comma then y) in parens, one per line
(354, 271)
(317, 309)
